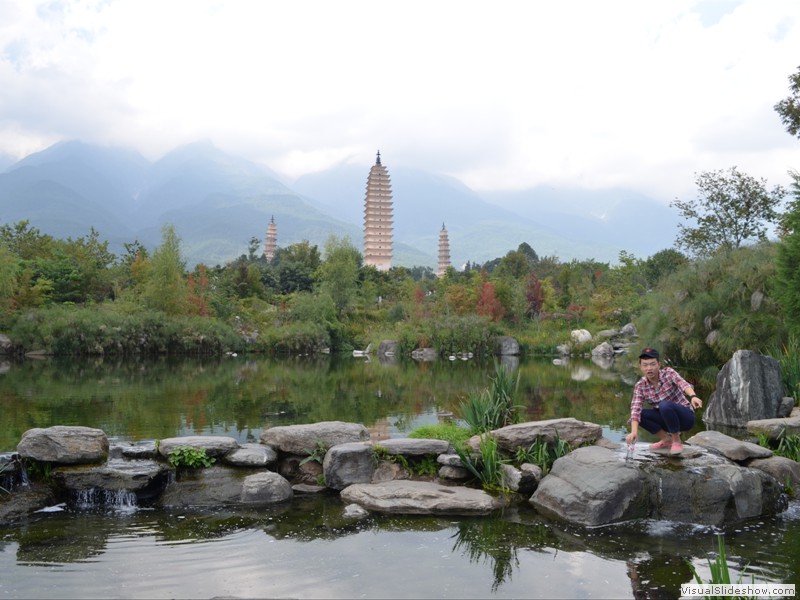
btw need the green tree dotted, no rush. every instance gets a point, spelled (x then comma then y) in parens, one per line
(787, 277)
(165, 286)
(732, 207)
(296, 266)
(789, 108)
(339, 272)
(661, 264)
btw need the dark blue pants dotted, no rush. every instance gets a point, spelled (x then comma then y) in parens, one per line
(669, 416)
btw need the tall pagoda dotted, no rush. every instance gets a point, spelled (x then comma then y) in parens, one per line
(271, 243)
(444, 253)
(378, 218)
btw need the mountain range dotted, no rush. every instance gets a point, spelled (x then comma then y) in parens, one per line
(218, 202)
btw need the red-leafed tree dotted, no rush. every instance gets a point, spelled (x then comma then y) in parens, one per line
(488, 303)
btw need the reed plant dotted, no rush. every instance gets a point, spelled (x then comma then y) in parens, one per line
(494, 407)
(487, 466)
(543, 453)
(720, 572)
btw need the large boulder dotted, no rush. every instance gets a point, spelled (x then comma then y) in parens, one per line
(749, 387)
(114, 475)
(66, 445)
(729, 447)
(306, 438)
(580, 336)
(774, 428)
(595, 486)
(421, 498)
(591, 486)
(522, 435)
(251, 455)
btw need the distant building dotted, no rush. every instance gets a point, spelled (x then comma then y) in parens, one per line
(444, 253)
(378, 218)
(271, 243)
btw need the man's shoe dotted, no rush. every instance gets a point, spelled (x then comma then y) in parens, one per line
(662, 445)
(677, 448)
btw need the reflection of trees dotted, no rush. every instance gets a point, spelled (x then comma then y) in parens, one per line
(497, 541)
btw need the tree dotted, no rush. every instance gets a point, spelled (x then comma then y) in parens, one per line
(732, 207)
(789, 108)
(165, 287)
(339, 272)
(787, 277)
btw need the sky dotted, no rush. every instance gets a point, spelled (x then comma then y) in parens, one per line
(504, 95)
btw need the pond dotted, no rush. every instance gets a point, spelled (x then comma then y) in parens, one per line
(306, 549)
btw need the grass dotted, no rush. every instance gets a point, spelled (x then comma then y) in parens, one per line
(449, 432)
(788, 444)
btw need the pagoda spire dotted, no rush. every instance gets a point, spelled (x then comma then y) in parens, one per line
(444, 252)
(378, 218)
(271, 241)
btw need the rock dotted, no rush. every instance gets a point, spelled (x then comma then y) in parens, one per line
(595, 486)
(781, 468)
(580, 336)
(786, 407)
(114, 475)
(214, 445)
(304, 439)
(607, 333)
(773, 428)
(629, 330)
(563, 349)
(388, 348)
(23, 502)
(421, 498)
(591, 486)
(453, 473)
(139, 450)
(251, 455)
(6, 345)
(346, 464)
(449, 460)
(505, 345)
(424, 354)
(307, 488)
(414, 446)
(213, 486)
(729, 447)
(604, 350)
(749, 388)
(265, 488)
(354, 511)
(523, 481)
(389, 471)
(522, 435)
(64, 445)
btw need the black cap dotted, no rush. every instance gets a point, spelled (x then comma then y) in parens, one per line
(649, 353)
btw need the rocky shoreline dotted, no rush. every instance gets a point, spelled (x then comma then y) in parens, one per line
(718, 479)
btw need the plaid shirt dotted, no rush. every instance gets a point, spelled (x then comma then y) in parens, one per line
(669, 389)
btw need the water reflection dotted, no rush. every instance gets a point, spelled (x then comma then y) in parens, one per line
(238, 396)
(308, 549)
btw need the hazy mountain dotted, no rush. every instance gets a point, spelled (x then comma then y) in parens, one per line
(5, 161)
(621, 218)
(218, 202)
(478, 230)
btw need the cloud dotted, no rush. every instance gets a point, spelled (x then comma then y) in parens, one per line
(502, 96)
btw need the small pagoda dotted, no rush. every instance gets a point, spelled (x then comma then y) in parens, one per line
(378, 218)
(271, 242)
(444, 253)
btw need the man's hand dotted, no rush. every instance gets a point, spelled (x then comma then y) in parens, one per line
(631, 438)
(696, 402)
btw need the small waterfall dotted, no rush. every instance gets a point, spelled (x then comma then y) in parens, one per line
(111, 500)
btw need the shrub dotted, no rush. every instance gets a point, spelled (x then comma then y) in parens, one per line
(190, 458)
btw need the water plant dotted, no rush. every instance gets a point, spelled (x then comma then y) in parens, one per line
(720, 571)
(542, 453)
(487, 468)
(788, 445)
(317, 454)
(190, 458)
(451, 432)
(494, 407)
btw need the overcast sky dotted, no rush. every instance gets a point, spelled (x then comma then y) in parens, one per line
(502, 95)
